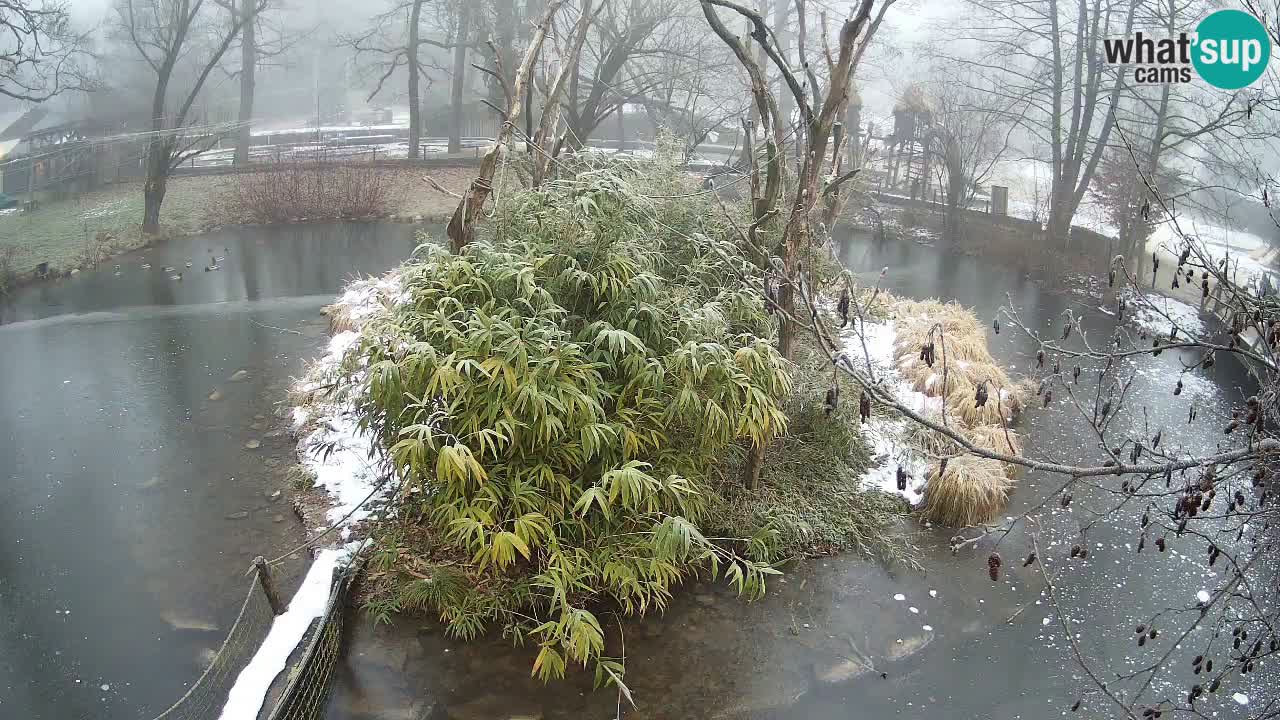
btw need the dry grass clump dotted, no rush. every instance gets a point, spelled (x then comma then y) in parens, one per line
(966, 338)
(971, 490)
(342, 317)
(995, 439)
(961, 361)
(989, 437)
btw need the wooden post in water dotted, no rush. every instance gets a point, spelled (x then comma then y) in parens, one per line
(268, 585)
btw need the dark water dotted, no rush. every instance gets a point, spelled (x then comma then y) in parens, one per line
(122, 483)
(956, 645)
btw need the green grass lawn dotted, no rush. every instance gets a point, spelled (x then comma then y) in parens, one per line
(58, 232)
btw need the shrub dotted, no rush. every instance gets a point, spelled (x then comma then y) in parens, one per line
(292, 190)
(8, 276)
(811, 495)
(95, 250)
(557, 400)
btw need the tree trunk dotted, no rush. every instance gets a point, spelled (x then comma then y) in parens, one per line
(1074, 167)
(505, 40)
(156, 183)
(796, 236)
(853, 121)
(459, 79)
(415, 104)
(755, 463)
(951, 229)
(550, 120)
(248, 68)
(461, 226)
(1058, 226)
(786, 103)
(158, 149)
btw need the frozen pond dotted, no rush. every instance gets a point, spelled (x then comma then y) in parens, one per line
(131, 504)
(845, 638)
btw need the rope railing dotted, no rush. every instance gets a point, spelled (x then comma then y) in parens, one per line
(206, 696)
(307, 681)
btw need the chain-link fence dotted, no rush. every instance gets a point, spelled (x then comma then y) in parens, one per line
(307, 681)
(308, 686)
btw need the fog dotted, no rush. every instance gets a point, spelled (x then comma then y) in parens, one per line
(655, 64)
(718, 172)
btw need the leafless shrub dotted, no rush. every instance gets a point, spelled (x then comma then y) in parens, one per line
(293, 190)
(98, 248)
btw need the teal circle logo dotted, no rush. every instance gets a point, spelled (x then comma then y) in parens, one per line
(1232, 49)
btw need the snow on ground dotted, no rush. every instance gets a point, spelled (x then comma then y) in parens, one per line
(342, 460)
(106, 209)
(1157, 315)
(335, 450)
(1242, 249)
(339, 454)
(887, 435)
(1028, 182)
(311, 601)
(363, 299)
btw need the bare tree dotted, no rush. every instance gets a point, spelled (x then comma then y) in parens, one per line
(693, 105)
(1048, 55)
(1185, 136)
(260, 41)
(248, 80)
(819, 110)
(459, 79)
(461, 226)
(551, 107)
(414, 70)
(166, 34)
(42, 53)
(394, 39)
(966, 140)
(621, 65)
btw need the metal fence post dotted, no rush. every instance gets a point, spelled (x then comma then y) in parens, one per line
(268, 585)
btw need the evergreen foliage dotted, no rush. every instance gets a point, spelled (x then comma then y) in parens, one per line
(556, 400)
(562, 402)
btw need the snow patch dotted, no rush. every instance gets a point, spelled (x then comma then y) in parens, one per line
(365, 298)
(886, 435)
(1158, 314)
(337, 452)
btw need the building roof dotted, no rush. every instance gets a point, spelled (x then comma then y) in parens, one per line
(24, 124)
